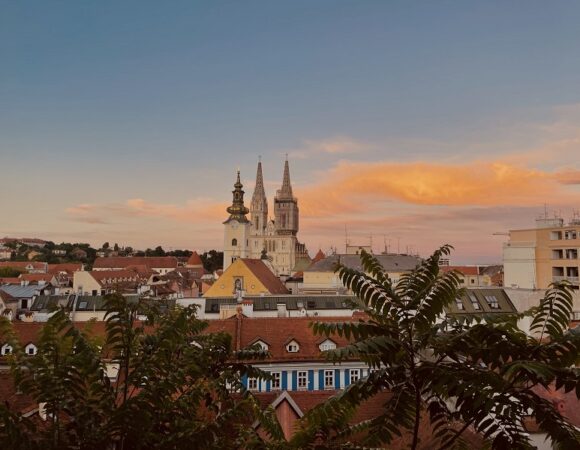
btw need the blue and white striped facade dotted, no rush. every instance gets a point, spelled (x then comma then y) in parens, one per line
(316, 376)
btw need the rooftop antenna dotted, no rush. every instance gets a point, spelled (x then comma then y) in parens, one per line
(345, 239)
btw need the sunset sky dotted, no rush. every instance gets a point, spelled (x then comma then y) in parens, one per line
(419, 123)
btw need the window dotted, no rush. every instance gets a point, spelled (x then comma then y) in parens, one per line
(492, 301)
(472, 281)
(459, 304)
(329, 379)
(474, 301)
(6, 350)
(303, 380)
(276, 381)
(262, 344)
(327, 345)
(292, 347)
(31, 349)
(354, 375)
(234, 242)
(252, 384)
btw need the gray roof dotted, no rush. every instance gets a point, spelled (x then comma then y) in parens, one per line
(292, 302)
(391, 263)
(19, 291)
(486, 298)
(49, 302)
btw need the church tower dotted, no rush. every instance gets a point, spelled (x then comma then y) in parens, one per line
(286, 207)
(259, 205)
(237, 227)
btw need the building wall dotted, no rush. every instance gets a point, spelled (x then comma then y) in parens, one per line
(535, 258)
(86, 281)
(239, 232)
(224, 285)
(315, 370)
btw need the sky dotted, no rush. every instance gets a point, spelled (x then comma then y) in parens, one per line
(408, 124)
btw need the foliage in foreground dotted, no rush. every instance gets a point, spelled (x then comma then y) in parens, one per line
(460, 371)
(174, 385)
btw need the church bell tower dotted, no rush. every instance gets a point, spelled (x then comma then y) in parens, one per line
(237, 227)
(286, 206)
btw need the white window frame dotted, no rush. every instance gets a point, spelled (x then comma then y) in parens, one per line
(328, 344)
(302, 375)
(276, 383)
(354, 375)
(30, 347)
(329, 376)
(261, 344)
(6, 350)
(292, 347)
(253, 384)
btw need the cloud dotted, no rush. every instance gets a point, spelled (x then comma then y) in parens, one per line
(201, 210)
(350, 185)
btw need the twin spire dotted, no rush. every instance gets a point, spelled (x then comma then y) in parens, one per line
(259, 202)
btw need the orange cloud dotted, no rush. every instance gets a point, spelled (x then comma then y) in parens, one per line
(194, 211)
(350, 185)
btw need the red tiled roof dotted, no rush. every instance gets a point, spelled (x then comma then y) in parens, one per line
(46, 277)
(277, 332)
(10, 280)
(261, 271)
(465, 270)
(24, 264)
(16, 402)
(320, 255)
(195, 260)
(370, 409)
(120, 262)
(65, 267)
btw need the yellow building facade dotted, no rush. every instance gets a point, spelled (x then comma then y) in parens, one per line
(247, 276)
(535, 258)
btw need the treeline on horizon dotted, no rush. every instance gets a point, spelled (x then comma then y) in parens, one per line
(86, 254)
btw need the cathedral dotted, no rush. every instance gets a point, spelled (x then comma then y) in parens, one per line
(260, 237)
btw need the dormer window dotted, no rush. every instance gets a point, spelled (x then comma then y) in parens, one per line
(292, 346)
(30, 349)
(328, 344)
(6, 350)
(262, 344)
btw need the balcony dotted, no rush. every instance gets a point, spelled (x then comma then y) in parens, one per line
(571, 279)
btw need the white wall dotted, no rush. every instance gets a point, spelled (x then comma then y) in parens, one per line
(519, 265)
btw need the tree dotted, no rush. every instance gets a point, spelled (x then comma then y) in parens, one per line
(116, 247)
(212, 260)
(173, 389)
(105, 246)
(10, 272)
(460, 372)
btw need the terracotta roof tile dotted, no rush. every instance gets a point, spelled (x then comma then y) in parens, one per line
(65, 267)
(152, 262)
(195, 260)
(265, 275)
(277, 332)
(465, 270)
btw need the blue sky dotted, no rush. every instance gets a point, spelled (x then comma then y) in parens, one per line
(105, 102)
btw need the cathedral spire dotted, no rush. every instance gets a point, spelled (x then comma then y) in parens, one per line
(259, 205)
(286, 191)
(238, 211)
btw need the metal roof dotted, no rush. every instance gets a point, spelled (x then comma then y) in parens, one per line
(391, 263)
(20, 291)
(292, 302)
